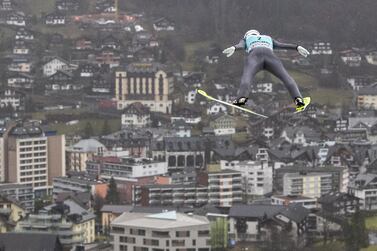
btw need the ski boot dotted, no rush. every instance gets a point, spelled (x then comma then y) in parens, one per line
(240, 101)
(301, 103)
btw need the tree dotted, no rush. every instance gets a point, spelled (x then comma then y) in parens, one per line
(241, 227)
(112, 196)
(106, 128)
(355, 233)
(219, 234)
(88, 130)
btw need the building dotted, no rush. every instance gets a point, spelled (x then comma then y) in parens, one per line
(12, 98)
(83, 151)
(79, 183)
(61, 81)
(147, 83)
(33, 157)
(55, 18)
(312, 185)
(262, 219)
(224, 186)
(167, 230)
(163, 24)
(130, 167)
(71, 222)
(223, 124)
(3, 140)
(285, 200)
(16, 18)
(171, 195)
(366, 98)
(111, 212)
(322, 48)
(22, 193)
(339, 177)
(136, 115)
(20, 80)
(256, 175)
(364, 187)
(10, 213)
(30, 241)
(339, 203)
(55, 64)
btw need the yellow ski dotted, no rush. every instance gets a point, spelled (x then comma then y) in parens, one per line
(203, 93)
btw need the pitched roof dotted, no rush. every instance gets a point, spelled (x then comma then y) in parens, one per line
(116, 209)
(29, 242)
(88, 145)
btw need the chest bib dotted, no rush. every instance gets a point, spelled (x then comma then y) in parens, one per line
(258, 41)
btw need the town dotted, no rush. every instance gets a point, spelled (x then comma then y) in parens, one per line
(105, 144)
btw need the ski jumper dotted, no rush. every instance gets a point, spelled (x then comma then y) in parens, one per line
(261, 57)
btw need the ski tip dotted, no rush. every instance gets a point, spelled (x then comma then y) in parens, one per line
(201, 92)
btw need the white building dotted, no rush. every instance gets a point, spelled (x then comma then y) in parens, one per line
(262, 88)
(11, 98)
(163, 231)
(257, 176)
(364, 187)
(190, 97)
(216, 108)
(309, 203)
(322, 48)
(136, 115)
(53, 65)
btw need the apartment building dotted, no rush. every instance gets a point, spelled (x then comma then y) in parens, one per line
(22, 193)
(224, 187)
(256, 175)
(79, 183)
(71, 222)
(34, 157)
(312, 185)
(163, 231)
(171, 194)
(128, 167)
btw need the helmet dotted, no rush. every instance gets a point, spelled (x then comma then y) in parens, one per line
(251, 32)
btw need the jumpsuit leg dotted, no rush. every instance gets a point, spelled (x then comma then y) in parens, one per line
(276, 67)
(252, 65)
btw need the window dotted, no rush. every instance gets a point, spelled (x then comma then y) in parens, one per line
(203, 233)
(137, 232)
(118, 230)
(178, 243)
(182, 234)
(150, 242)
(194, 242)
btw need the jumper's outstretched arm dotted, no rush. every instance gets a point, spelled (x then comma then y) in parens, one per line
(280, 45)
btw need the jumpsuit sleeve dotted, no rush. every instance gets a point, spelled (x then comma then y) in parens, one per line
(280, 45)
(241, 45)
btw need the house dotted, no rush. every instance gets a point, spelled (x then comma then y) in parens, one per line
(136, 115)
(102, 84)
(144, 39)
(110, 42)
(143, 55)
(23, 34)
(10, 213)
(62, 81)
(223, 124)
(336, 203)
(358, 82)
(108, 56)
(302, 135)
(181, 128)
(255, 222)
(22, 65)
(67, 5)
(12, 98)
(367, 98)
(55, 18)
(105, 5)
(6, 5)
(262, 88)
(351, 58)
(163, 24)
(54, 64)
(322, 48)
(189, 115)
(78, 154)
(309, 203)
(20, 48)
(216, 108)
(20, 80)
(16, 18)
(194, 79)
(190, 97)
(371, 58)
(88, 70)
(30, 241)
(84, 44)
(364, 187)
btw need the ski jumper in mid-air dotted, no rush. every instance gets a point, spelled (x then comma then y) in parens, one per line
(261, 57)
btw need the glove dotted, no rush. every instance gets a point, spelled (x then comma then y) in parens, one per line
(304, 52)
(229, 51)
